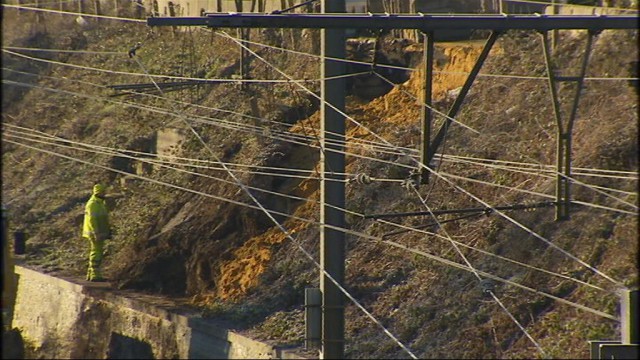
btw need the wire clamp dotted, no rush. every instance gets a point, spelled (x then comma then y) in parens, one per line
(361, 178)
(409, 183)
(487, 286)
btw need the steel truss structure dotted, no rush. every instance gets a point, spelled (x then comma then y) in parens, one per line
(333, 20)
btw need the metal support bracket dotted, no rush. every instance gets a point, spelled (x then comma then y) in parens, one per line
(244, 35)
(431, 147)
(564, 129)
(426, 105)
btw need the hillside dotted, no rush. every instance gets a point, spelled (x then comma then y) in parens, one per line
(183, 232)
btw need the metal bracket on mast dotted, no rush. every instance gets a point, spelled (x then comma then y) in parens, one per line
(426, 106)
(564, 129)
(429, 147)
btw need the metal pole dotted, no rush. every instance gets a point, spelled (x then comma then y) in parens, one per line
(560, 136)
(426, 105)
(568, 140)
(312, 317)
(629, 319)
(457, 104)
(554, 33)
(332, 242)
(563, 143)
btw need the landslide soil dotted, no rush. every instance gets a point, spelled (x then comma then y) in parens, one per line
(186, 236)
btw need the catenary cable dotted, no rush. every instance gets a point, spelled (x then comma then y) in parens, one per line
(347, 231)
(538, 236)
(55, 140)
(317, 56)
(75, 13)
(415, 160)
(351, 154)
(475, 272)
(288, 234)
(219, 122)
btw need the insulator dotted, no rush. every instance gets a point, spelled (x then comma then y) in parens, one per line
(363, 178)
(409, 183)
(487, 285)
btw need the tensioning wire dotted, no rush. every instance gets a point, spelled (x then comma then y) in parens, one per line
(286, 232)
(237, 126)
(404, 68)
(346, 231)
(542, 168)
(571, 179)
(523, 227)
(475, 272)
(490, 254)
(65, 51)
(168, 166)
(449, 181)
(76, 13)
(359, 143)
(536, 193)
(178, 161)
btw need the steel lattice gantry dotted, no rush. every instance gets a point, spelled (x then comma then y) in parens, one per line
(423, 22)
(428, 23)
(334, 21)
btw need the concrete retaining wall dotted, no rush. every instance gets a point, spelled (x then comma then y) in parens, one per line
(66, 319)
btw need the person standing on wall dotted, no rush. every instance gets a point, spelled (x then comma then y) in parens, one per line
(96, 229)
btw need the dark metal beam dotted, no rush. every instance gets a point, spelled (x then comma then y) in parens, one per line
(457, 104)
(332, 186)
(463, 211)
(564, 129)
(422, 22)
(427, 104)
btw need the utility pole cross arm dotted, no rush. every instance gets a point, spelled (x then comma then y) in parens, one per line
(386, 22)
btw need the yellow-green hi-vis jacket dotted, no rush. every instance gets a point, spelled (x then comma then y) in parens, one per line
(96, 219)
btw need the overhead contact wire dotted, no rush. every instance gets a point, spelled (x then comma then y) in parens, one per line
(475, 272)
(362, 235)
(288, 234)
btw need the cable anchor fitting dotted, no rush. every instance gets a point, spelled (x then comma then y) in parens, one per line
(487, 286)
(361, 178)
(132, 51)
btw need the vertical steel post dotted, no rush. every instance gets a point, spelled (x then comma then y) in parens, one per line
(9, 280)
(243, 34)
(312, 317)
(560, 196)
(554, 32)
(426, 104)
(629, 319)
(332, 192)
(563, 141)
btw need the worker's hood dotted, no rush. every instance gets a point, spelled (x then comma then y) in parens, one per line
(99, 189)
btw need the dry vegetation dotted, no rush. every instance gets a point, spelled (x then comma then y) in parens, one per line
(231, 261)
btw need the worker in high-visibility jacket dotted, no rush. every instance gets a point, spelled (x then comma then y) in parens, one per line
(97, 230)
